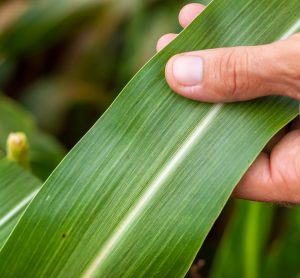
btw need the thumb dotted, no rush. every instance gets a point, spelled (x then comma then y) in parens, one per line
(233, 74)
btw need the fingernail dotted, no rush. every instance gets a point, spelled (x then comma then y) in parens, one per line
(188, 70)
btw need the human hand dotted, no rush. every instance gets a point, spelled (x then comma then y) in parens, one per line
(242, 73)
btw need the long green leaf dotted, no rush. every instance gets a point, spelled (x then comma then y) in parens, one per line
(137, 196)
(283, 260)
(17, 188)
(244, 242)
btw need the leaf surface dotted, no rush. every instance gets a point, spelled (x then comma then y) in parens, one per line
(137, 196)
(17, 188)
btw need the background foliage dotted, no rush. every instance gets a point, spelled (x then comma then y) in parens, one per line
(63, 62)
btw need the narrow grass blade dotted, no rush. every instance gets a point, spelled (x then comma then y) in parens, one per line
(17, 189)
(137, 196)
(241, 252)
(283, 260)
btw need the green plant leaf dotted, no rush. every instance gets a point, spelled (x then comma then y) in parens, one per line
(45, 151)
(137, 196)
(244, 241)
(17, 188)
(283, 260)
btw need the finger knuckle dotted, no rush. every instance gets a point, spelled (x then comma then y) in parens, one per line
(233, 72)
(289, 52)
(292, 75)
(293, 66)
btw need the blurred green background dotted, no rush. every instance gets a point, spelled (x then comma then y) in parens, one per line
(63, 62)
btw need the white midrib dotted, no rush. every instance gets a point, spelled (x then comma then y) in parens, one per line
(198, 132)
(17, 208)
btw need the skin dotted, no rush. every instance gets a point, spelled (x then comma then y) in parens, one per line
(250, 72)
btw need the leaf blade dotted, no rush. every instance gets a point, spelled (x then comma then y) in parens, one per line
(17, 189)
(100, 183)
